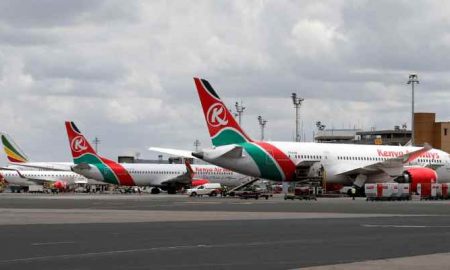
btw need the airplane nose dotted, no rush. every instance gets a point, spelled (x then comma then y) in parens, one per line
(199, 155)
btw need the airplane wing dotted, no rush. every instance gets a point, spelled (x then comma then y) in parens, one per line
(185, 178)
(392, 166)
(173, 152)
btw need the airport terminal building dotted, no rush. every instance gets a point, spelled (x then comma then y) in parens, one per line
(427, 130)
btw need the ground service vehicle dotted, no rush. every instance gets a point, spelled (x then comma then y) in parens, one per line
(211, 189)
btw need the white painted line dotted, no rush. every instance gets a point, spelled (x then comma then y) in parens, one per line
(52, 243)
(403, 226)
(146, 250)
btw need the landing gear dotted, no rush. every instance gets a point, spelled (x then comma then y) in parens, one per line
(171, 190)
(155, 190)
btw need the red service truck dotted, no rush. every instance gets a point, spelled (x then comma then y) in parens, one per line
(429, 191)
(445, 191)
(387, 191)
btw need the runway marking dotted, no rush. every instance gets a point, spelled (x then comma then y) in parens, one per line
(52, 243)
(153, 249)
(79, 216)
(403, 226)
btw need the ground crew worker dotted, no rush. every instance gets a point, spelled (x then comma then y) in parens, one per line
(224, 191)
(353, 191)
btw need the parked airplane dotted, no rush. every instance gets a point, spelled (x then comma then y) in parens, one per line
(294, 161)
(19, 160)
(19, 180)
(25, 173)
(165, 176)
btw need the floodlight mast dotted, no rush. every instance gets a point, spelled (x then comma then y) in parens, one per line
(262, 124)
(96, 142)
(197, 145)
(297, 101)
(240, 110)
(413, 79)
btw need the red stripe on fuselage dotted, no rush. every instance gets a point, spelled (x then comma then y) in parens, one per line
(123, 176)
(281, 158)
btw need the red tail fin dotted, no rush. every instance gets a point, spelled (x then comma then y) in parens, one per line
(78, 143)
(222, 126)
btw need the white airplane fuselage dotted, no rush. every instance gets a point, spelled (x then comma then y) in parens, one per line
(157, 175)
(271, 160)
(25, 178)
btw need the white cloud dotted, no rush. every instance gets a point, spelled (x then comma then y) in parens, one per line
(314, 39)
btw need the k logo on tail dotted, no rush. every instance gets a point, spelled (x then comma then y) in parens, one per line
(217, 115)
(78, 144)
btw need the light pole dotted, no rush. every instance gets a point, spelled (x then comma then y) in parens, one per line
(297, 103)
(96, 142)
(239, 109)
(413, 79)
(262, 124)
(196, 144)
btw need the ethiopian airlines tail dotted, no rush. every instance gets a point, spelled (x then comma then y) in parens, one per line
(222, 126)
(85, 156)
(12, 150)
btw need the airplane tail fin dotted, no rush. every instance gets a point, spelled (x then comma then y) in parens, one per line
(83, 153)
(79, 145)
(13, 151)
(222, 126)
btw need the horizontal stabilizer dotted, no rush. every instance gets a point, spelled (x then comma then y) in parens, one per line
(173, 152)
(226, 151)
(82, 166)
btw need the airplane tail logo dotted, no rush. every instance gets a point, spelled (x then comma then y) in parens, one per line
(216, 115)
(13, 151)
(78, 143)
(222, 126)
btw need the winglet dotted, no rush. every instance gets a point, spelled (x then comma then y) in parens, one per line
(189, 169)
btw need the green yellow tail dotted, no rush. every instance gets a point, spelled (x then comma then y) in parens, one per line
(13, 151)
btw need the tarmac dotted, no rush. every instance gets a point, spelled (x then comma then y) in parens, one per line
(84, 231)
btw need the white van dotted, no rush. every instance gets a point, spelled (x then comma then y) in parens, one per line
(211, 189)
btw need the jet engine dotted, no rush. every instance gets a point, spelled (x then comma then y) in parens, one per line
(60, 185)
(417, 176)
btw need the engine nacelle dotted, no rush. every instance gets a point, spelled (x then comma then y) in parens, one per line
(416, 176)
(60, 185)
(198, 182)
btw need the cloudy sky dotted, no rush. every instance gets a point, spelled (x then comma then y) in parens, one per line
(122, 70)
